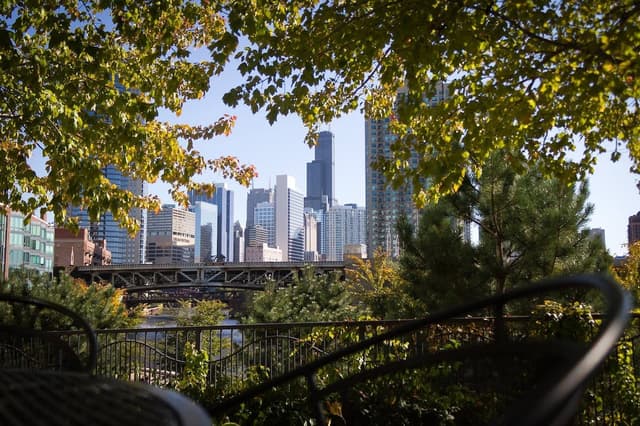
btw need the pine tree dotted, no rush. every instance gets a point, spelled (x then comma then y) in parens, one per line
(530, 227)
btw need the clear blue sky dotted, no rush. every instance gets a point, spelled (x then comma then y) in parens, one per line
(280, 149)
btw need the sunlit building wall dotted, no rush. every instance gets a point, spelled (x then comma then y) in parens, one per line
(28, 246)
(289, 209)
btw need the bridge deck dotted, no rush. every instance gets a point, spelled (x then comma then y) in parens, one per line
(241, 276)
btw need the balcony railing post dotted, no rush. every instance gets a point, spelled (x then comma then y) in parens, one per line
(198, 334)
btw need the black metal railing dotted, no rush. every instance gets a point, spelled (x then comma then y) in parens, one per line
(125, 353)
(156, 355)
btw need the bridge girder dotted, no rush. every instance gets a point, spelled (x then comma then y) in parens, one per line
(242, 276)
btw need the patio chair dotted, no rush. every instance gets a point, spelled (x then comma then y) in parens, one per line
(507, 372)
(38, 334)
(47, 359)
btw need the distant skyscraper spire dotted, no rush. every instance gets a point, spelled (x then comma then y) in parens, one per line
(321, 174)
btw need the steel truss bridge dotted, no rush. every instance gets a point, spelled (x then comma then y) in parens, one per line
(224, 276)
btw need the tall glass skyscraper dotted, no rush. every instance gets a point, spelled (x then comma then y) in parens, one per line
(385, 205)
(255, 197)
(223, 198)
(289, 219)
(264, 215)
(124, 249)
(206, 227)
(321, 174)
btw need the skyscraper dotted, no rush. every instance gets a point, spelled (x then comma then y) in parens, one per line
(206, 229)
(311, 252)
(171, 235)
(385, 205)
(321, 174)
(345, 225)
(598, 234)
(264, 216)
(255, 197)
(223, 199)
(633, 229)
(124, 249)
(289, 211)
(238, 242)
(321, 238)
(256, 236)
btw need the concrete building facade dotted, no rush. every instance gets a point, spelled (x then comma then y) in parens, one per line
(263, 253)
(171, 236)
(311, 252)
(256, 236)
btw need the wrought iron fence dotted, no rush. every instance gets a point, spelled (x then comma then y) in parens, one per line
(156, 355)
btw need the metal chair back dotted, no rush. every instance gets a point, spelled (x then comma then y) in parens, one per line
(515, 376)
(38, 334)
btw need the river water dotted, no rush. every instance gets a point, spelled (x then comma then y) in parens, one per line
(155, 321)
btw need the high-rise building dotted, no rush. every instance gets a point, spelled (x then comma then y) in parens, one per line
(171, 236)
(4, 243)
(289, 211)
(255, 197)
(238, 242)
(311, 252)
(598, 234)
(256, 236)
(321, 238)
(124, 249)
(28, 246)
(385, 205)
(206, 231)
(345, 226)
(633, 229)
(321, 174)
(263, 253)
(264, 216)
(223, 198)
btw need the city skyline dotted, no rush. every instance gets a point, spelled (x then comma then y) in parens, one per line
(281, 150)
